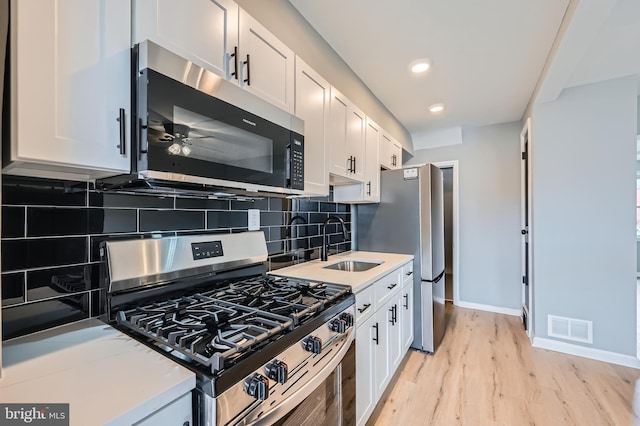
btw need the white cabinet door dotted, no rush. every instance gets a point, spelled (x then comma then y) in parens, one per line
(267, 64)
(395, 331)
(396, 155)
(369, 190)
(178, 412)
(386, 157)
(406, 315)
(356, 135)
(312, 105)
(372, 163)
(365, 364)
(202, 31)
(348, 129)
(390, 152)
(382, 370)
(70, 66)
(338, 162)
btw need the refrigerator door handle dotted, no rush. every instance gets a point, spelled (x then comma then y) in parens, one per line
(436, 279)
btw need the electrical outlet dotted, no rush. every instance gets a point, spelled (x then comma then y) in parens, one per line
(253, 219)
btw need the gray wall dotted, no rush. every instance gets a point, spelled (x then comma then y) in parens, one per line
(584, 245)
(489, 212)
(284, 21)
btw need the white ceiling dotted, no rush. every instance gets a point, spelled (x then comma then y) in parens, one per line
(487, 55)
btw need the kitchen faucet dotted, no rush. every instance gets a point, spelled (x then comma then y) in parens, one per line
(325, 242)
(307, 254)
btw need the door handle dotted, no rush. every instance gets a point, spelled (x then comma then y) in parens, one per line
(406, 301)
(123, 131)
(364, 307)
(248, 79)
(234, 55)
(369, 190)
(376, 339)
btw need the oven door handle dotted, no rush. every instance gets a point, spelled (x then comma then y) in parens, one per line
(298, 396)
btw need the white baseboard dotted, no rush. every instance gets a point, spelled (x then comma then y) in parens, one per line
(490, 308)
(582, 351)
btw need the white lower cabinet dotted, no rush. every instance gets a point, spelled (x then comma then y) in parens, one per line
(365, 362)
(406, 307)
(176, 413)
(380, 337)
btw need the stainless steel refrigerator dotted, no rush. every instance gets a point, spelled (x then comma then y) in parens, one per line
(410, 220)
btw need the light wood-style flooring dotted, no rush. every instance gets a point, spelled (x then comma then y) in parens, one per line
(486, 373)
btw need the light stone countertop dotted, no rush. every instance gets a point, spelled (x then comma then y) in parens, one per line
(106, 376)
(315, 270)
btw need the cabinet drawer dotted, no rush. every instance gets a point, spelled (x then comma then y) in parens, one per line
(387, 286)
(365, 305)
(407, 273)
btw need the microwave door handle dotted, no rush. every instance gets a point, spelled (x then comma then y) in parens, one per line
(287, 167)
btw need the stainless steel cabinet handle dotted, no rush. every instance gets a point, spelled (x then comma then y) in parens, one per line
(364, 307)
(248, 79)
(123, 131)
(234, 55)
(406, 301)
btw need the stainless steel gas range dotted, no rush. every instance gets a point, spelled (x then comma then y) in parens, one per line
(265, 350)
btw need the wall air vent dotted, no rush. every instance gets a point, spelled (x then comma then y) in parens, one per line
(570, 329)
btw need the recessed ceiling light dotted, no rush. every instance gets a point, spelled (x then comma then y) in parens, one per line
(436, 107)
(420, 65)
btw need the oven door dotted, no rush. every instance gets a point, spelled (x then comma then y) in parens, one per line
(193, 136)
(332, 402)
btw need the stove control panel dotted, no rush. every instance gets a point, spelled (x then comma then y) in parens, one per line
(257, 386)
(277, 371)
(312, 344)
(206, 249)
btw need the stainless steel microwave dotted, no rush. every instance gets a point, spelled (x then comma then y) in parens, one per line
(194, 129)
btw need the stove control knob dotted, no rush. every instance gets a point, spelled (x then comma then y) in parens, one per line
(257, 386)
(312, 344)
(277, 371)
(337, 325)
(347, 318)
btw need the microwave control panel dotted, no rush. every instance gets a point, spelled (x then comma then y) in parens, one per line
(297, 164)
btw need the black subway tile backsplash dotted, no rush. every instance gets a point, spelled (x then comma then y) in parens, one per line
(107, 199)
(233, 219)
(13, 222)
(13, 289)
(170, 220)
(42, 192)
(28, 318)
(42, 252)
(53, 282)
(262, 204)
(202, 204)
(52, 230)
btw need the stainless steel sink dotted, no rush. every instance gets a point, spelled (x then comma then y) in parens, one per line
(353, 265)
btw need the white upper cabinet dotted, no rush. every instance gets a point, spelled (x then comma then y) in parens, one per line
(367, 191)
(390, 152)
(224, 39)
(70, 88)
(202, 31)
(347, 146)
(266, 64)
(312, 105)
